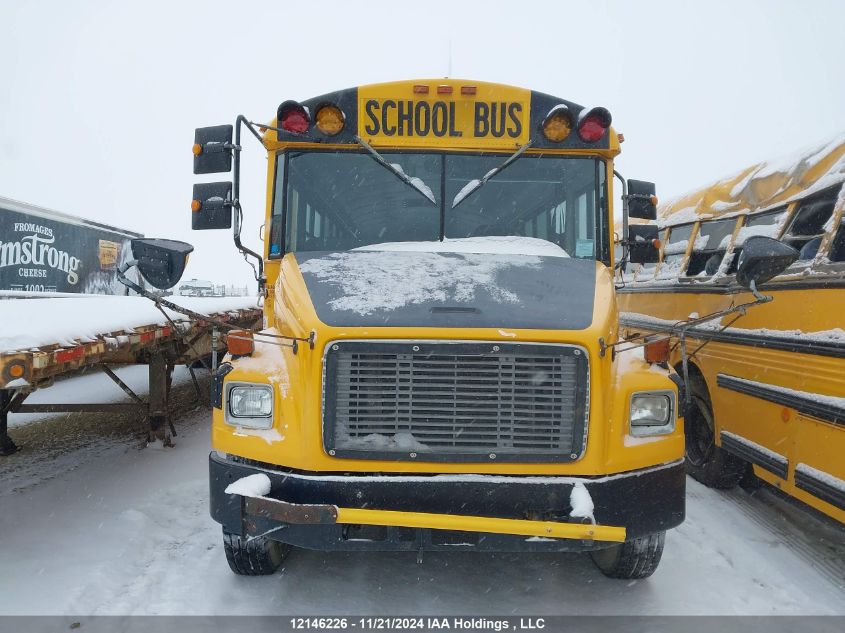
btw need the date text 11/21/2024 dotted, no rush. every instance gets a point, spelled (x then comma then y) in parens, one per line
(398, 623)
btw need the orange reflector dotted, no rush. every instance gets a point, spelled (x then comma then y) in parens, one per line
(444, 90)
(419, 89)
(654, 200)
(468, 90)
(657, 351)
(330, 120)
(240, 342)
(557, 127)
(197, 149)
(196, 205)
(16, 371)
(657, 244)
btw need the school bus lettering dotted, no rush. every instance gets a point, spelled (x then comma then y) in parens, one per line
(408, 118)
(420, 118)
(490, 119)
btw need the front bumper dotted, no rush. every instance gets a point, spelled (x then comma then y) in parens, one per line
(435, 512)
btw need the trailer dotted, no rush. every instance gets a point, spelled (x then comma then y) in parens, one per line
(44, 251)
(49, 337)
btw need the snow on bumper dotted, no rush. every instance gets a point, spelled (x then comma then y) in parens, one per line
(411, 512)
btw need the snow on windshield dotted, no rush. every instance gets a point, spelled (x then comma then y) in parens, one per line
(386, 280)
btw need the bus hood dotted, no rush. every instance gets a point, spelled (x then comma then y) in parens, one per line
(450, 290)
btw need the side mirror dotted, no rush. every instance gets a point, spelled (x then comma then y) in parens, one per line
(161, 262)
(211, 206)
(213, 149)
(761, 258)
(643, 244)
(642, 201)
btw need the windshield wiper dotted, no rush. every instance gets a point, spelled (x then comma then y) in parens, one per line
(396, 169)
(474, 185)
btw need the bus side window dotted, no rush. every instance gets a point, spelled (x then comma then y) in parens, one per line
(767, 224)
(807, 228)
(674, 251)
(711, 244)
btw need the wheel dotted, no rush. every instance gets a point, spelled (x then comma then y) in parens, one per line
(705, 461)
(637, 558)
(256, 556)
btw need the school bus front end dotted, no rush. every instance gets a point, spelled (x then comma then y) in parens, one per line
(437, 370)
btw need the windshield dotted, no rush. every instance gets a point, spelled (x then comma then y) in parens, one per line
(335, 201)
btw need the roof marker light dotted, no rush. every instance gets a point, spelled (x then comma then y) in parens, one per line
(420, 89)
(558, 123)
(330, 119)
(593, 123)
(444, 90)
(468, 90)
(293, 117)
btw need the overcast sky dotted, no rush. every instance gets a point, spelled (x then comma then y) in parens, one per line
(99, 100)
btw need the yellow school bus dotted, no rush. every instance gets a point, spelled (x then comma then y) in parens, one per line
(437, 368)
(768, 387)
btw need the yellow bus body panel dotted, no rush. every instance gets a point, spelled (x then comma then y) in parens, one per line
(296, 439)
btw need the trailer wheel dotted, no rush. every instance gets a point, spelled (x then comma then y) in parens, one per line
(256, 556)
(706, 462)
(637, 558)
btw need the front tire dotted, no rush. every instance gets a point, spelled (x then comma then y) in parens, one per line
(706, 462)
(255, 556)
(634, 559)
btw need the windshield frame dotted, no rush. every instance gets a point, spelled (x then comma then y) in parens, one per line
(601, 212)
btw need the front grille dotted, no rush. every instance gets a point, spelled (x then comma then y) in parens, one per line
(455, 401)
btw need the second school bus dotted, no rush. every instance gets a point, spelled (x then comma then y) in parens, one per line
(437, 366)
(767, 387)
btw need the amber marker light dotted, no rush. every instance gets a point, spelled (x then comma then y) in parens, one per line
(240, 343)
(330, 120)
(196, 149)
(16, 371)
(196, 205)
(557, 124)
(656, 351)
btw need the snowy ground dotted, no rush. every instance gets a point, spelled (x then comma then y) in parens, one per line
(106, 527)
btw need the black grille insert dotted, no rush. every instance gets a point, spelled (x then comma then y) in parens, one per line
(455, 401)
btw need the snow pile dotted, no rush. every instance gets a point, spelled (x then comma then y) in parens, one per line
(29, 323)
(581, 502)
(257, 485)
(490, 244)
(376, 442)
(374, 281)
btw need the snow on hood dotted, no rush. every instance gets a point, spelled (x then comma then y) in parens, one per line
(492, 244)
(383, 280)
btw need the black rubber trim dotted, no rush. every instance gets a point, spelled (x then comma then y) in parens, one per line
(758, 458)
(645, 502)
(820, 489)
(807, 406)
(634, 287)
(818, 348)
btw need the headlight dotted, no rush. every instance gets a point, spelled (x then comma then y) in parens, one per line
(249, 405)
(652, 413)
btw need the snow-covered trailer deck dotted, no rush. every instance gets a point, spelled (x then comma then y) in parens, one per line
(45, 338)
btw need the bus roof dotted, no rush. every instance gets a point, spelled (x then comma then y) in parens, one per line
(762, 186)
